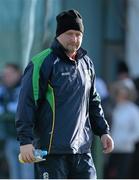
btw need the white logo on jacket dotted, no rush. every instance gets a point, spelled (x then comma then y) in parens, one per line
(65, 73)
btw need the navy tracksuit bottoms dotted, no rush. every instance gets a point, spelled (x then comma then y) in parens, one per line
(66, 166)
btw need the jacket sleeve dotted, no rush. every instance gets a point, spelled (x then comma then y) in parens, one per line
(27, 109)
(98, 123)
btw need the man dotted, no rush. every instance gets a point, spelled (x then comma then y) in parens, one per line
(58, 106)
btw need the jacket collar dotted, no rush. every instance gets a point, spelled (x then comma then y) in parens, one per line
(60, 51)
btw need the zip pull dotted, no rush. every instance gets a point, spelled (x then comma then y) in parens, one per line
(76, 64)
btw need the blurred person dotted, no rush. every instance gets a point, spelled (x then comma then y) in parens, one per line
(122, 70)
(123, 74)
(59, 108)
(9, 93)
(124, 131)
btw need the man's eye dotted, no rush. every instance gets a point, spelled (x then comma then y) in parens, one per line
(78, 35)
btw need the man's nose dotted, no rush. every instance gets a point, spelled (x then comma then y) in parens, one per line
(74, 38)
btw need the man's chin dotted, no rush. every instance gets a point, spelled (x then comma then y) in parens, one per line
(72, 50)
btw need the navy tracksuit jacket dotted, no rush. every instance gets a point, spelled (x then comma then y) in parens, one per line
(59, 108)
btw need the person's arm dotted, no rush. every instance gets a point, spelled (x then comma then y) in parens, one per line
(26, 115)
(27, 107)
(99, 125)
(96, 114)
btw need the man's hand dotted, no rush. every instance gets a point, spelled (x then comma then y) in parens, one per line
(27, 153)
(107, 143)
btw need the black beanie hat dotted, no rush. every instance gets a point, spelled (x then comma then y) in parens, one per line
(68, 20)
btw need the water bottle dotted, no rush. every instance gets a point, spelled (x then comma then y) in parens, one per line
(38, 154)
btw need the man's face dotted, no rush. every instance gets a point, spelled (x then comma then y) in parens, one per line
(10, 76)
(71, 40)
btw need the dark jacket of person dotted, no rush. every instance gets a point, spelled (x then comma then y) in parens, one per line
(8, 105)
(58, 106)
